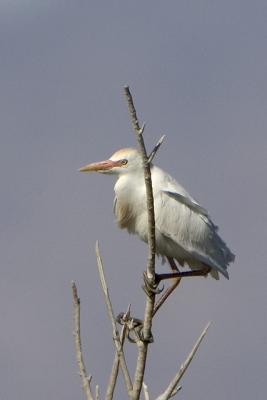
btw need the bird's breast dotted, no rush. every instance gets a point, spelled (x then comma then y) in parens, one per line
(124, 213)
(130, 205)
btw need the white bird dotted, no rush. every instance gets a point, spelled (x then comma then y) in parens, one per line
(183, 228)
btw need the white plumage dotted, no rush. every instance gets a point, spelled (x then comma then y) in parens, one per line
(183, 229)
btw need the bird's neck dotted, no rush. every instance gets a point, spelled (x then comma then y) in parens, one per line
(130, 185)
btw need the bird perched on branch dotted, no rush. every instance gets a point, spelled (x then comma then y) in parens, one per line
(183, 229)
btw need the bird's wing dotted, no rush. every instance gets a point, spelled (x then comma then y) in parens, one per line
(188, 201)
(179, 194)
(173, 189)
(185, 223)
(198, 254)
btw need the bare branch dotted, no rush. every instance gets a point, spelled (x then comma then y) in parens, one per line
(172, 387)
(150, 270)
(116, 363)
(97, 394)
(154, 151)
(117, 342)
(86, 379)
(132, 111)
(145, 389)
(175, 391)
(149, 191)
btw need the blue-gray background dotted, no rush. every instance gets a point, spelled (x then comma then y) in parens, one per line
(197, 70)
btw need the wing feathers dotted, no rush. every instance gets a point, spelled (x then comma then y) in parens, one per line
(186, 225)
(186, 201)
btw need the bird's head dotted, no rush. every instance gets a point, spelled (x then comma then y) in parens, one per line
(121, 162)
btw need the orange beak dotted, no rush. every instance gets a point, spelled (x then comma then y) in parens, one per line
(101, 166)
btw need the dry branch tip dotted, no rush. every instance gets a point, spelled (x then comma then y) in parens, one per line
(173, 388)
(154, 151)
(85, 378)
(116, 338)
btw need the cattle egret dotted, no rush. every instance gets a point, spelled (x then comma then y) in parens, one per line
(183, 229)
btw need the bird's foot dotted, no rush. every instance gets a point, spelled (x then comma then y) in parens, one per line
(150, 286)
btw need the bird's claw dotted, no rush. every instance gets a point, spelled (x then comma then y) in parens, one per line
(150, 286)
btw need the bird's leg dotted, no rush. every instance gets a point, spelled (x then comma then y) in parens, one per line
(170, 289)
(178, 275)
(197, 272)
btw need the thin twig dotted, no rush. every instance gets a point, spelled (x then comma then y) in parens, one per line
(150, 270)
(117, 342)
(86, 379)
(145, 389)
(97, 394)
(116, 363)
(175, 391)
(172, 387)
(154, 151)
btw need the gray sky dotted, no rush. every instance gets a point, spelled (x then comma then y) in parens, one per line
(197, 70)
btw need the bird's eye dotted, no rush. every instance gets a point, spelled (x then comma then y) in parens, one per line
(124, 162)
